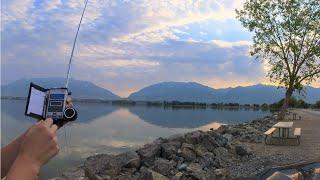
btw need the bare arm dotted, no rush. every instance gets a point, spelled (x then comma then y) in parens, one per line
(37, 148)
(9, 154)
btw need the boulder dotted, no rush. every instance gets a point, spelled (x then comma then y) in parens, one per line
(170, 149)
(209, 142)
(200, 150)
(187, 152)
(129, 159)
(182, 167)
(177, 176)
(221, 152)
(177, 137)
(148, 153)
(164, 166)
(102, 166)
(195, 170)
(241, 150)
(193, 137)
(221, 174)
(148, 174)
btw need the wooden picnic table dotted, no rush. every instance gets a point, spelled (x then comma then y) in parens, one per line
(284, 128)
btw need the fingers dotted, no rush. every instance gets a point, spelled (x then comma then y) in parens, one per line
(48, 122)
(69, 102)
(54, 128)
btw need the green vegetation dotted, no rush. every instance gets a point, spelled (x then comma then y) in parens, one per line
(287, 37)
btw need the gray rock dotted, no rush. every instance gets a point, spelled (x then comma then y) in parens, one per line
(177, 137)
(229, 137)
(77, 173)
(209, 142)
(221, 152)
(193, 137)
(148, 153)
(177, 176)
(200, 150)
(163, 166)
(170, 149)
(182, 167)
(221, 174)
(102, 166)
(241, 150)
(148, 174)
(129, 159)
(195, 170)
(187, 152)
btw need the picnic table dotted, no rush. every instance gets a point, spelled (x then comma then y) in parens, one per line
(284, 128)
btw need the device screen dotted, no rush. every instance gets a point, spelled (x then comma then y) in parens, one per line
(36, 102)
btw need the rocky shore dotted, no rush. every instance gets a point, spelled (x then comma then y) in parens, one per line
(215, 154)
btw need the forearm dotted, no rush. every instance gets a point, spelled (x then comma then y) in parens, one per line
(9, 154)
(23, 168)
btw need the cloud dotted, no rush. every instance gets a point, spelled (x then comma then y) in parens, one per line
(126, 45)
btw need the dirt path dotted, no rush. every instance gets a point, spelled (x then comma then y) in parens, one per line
(308, 150)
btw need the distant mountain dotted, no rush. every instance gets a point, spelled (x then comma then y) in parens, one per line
(190, 91)
(79, 89)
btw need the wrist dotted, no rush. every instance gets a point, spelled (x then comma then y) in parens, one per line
(28, 163)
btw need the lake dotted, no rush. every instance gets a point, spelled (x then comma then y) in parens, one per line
(105, 128)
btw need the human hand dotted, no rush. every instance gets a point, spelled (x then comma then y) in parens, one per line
(39, 144)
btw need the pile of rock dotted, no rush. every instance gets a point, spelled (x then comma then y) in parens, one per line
(194, 155)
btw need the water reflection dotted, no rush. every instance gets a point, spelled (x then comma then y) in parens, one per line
(103, 128)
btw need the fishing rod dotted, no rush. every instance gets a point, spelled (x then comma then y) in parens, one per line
(53, 103)
(74, 45)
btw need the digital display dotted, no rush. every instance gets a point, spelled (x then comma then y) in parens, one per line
(56, 96)
(55, 103)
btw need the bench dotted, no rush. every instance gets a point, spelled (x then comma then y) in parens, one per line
(297, 133)
(268, 133)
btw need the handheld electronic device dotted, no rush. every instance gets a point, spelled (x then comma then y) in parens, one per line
(50, 103)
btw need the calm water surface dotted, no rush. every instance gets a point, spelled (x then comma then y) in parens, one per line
(103, 128)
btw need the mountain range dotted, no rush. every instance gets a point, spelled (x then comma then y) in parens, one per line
(166, 91)
(195, 92)
(79, 89)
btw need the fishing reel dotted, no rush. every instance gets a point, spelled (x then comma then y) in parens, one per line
(50, 103)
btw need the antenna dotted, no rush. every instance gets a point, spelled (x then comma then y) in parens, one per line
(74, 45)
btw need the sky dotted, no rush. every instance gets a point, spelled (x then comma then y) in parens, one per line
(126, 45)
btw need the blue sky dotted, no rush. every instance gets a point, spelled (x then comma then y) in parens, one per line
(125, 45)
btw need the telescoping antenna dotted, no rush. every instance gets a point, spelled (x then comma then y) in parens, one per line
(74, 45)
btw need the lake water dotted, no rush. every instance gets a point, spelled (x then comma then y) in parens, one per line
(104, 128)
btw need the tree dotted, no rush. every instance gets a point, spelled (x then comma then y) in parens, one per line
(287, 37)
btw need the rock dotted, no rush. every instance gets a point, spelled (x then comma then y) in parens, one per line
(221, 174)
(148, 174)
(220, 140)
(148, 153)
(209, 142)
(278, 176)
(77, 173)
(187, 152)
(177, 137)
(208, 160)
(102, 166)
(195, 170)
(241, 150)
(182, 167)
(200, 150)
(177, 176)
(163, 166)
(222, 129)
(193, 137)
(129, 159)
(229, 137)
(170, 149)
(221, 152)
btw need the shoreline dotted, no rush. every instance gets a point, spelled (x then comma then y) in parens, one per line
(224, 153)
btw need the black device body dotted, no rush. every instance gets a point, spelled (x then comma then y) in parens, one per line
(50, 103)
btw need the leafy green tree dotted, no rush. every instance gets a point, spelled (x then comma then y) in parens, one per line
(287, 37)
